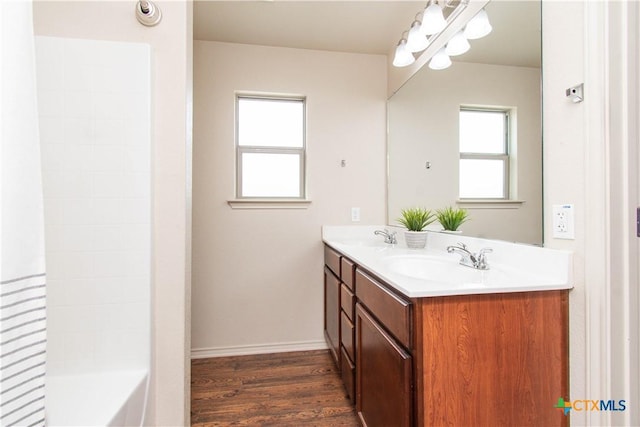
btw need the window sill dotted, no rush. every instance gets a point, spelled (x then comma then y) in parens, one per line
(490, 204)
(269, 203)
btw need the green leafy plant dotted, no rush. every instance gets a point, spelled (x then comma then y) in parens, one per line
(416, 219)
(452, 218)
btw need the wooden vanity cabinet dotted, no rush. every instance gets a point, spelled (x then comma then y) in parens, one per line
(496, 359)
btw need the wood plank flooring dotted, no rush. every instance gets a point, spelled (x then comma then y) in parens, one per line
(280, 389)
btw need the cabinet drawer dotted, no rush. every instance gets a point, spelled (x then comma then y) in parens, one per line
(391, 310)
(348, 302)
(348, 370)
(348, 270)
(347, 331)
(332, 260)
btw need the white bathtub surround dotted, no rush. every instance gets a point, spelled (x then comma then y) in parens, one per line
(23, 321)
(513, 267)
(96, 154)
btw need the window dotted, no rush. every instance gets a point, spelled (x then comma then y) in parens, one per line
(270, 147)
(484, 154)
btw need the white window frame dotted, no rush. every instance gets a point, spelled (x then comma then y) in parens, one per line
(504, 157)
(240, 150)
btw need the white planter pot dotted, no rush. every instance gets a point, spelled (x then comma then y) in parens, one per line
(415, 239)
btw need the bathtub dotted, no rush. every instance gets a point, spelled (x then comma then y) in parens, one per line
(98, 399)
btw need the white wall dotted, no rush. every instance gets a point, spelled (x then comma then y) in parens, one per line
(590, 160)
(423, 127)
(170, 43)
(564, 166)
(257, 274)
(96, 165)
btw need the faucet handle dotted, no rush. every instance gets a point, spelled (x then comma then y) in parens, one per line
(389, 237)
(482, 259)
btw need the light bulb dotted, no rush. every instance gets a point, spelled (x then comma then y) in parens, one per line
(457, 45)
(440, 60)
(403, 57)
(433, 20)
(478, 27)
(416, 41)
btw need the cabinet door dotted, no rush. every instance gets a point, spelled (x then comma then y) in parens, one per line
(383, 375)
(332, 314)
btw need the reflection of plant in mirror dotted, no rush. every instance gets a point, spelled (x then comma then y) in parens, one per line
(416, 219)
(452, 218)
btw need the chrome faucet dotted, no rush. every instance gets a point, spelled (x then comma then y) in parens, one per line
(389, 236)
(469, 259)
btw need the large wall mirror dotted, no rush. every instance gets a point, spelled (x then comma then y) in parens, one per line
(497, 80)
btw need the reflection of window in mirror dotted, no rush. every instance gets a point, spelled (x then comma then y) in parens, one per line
(485, 144)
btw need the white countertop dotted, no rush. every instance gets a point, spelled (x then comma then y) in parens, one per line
(513, 267)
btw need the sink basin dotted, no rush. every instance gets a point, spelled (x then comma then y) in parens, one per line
(447, 270)
(435, 269)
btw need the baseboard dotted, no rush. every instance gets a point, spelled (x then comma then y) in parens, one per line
(243, 350)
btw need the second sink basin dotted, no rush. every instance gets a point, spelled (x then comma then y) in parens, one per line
(435, 269)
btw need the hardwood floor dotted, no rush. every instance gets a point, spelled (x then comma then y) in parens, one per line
(283, 389)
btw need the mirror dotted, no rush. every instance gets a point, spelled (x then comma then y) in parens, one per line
(501, 71)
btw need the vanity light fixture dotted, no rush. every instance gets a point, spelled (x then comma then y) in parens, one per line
(440, 60)
(403, 56)
(416, 40)
(458, 44)
(434, 25)
(478, 27)
(433, 19)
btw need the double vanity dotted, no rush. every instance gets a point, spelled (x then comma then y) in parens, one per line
(422, 340)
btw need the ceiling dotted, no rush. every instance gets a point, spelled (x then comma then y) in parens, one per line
(360, 26)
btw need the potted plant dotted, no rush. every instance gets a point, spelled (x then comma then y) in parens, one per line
(415, 220)
(451, 218)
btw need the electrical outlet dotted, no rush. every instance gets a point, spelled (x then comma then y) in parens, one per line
(355, 214)
(563, 226)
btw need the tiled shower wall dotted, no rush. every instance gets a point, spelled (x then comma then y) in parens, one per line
(94, 107)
